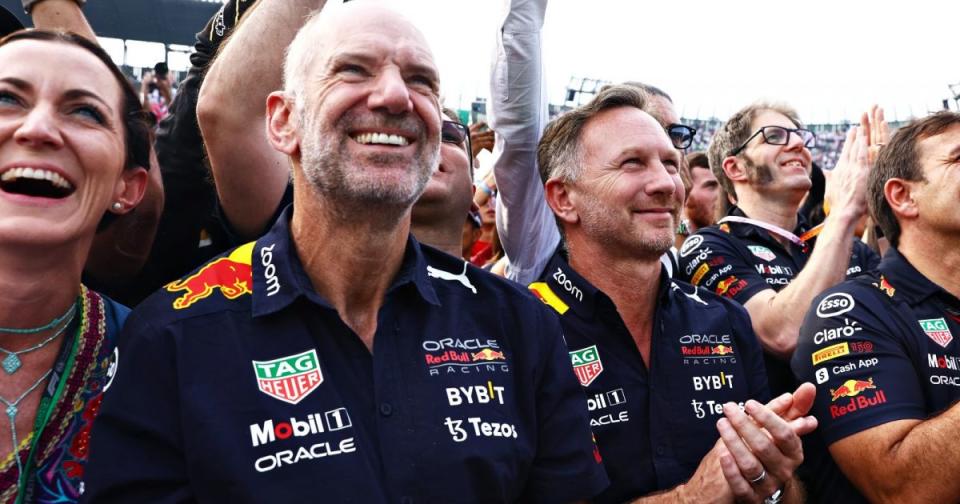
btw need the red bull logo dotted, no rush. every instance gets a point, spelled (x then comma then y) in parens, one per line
(233, 275)
(487, 354)
(851, 388)
(885, 286)
(721, 350)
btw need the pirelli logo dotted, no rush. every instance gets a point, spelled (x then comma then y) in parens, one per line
(831, 352)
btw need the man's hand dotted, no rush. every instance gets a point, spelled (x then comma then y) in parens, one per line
(762, 446)
(847, 186)
(481, 138)
(708, 483)
(875, 128)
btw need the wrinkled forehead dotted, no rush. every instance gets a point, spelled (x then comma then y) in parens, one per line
(936, 150)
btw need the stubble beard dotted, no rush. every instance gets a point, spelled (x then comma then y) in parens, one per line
(331, 170)
(604, 228)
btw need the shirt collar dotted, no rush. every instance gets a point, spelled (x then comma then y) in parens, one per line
(739, 229)
(572, 291)
(279, 278)
(907, 281)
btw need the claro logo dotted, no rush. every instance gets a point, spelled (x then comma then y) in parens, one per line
(835, 304)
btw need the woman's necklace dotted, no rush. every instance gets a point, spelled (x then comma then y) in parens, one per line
(12, 410)
(12, 362)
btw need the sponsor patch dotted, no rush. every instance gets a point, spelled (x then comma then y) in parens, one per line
(886, 287)
(690, 244)
(232, 275)
(476, 426)
(698, 275)
(848, 329)
(544, 294)
(289, 378)
(762, 252)
(822, 376)
(937, 330)
(835, 304)
(851, 388)
(831, 352)
(586, 364)
(714, 408)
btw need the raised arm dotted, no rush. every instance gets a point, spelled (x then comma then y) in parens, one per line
(250, 175)
(777, 315)
(61, 15)
(519, 114)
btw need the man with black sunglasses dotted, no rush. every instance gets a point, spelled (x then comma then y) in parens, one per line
(762, 253)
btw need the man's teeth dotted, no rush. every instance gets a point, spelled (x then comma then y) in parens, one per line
(381, 138)
(794, 163)
(36, 174)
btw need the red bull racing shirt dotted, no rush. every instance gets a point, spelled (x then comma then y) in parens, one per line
(655, 421)
(737, 260)
(879, 348)
(239, 383)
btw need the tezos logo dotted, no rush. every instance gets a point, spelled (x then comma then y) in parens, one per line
(690, 245)
(835, 304)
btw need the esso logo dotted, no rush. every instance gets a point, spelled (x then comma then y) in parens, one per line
(835, 304)
(690, 245)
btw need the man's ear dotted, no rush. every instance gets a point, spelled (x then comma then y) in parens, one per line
(282, 123)
(560, 199)
(899, 194)
(129, 189)
(734, 168)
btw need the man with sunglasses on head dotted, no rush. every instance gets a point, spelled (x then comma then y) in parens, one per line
(763, 254)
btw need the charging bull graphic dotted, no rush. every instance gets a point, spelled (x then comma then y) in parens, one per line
(233, 275)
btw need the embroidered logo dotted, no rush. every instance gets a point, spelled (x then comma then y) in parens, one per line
(937, 330)
(586, 364)
(289, 378)
(233, 275)
(446, 275)
(762, 252)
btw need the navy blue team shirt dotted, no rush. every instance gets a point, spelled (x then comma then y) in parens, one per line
(737, 260)
(880, 348)
(241, 384)
(654, 422)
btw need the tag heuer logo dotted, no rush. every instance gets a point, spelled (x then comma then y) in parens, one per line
(937, 330)
(289, 378)
(586, 364)
(762, 252)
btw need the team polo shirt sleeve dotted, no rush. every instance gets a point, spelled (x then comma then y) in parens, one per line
(711, 260)
(852, 348)
(139, 426)
(558, 471)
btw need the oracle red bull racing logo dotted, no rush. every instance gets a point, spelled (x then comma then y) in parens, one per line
(233, 275)
(289, 378)
(464, 356)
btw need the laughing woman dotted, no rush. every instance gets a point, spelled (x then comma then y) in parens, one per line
(73, 144)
